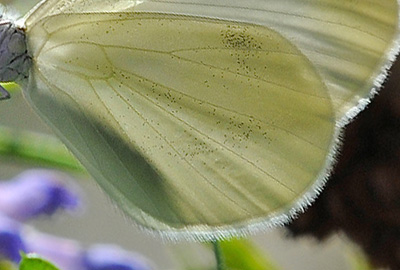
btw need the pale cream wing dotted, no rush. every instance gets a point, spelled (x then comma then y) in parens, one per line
(47, 8)
(196, 127)
(351, 43)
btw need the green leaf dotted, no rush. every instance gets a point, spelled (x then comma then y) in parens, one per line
(32, 261)
(242, 254)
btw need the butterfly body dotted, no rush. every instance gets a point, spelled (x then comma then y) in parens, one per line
(15, 61)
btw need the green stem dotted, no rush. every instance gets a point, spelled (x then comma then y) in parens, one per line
(219, 256)
(36, 148)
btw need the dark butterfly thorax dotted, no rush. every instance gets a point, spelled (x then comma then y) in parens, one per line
(14, 59)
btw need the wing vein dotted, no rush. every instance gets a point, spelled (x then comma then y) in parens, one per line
(172, 147)
(78, 131)
(205, 135)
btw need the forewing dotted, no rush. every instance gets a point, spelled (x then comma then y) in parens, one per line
(351, 43)
(53, 7)
(191, 125)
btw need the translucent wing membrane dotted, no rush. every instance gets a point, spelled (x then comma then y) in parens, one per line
(210, 118)
(189, 124)
(53, 7)
(348, 42)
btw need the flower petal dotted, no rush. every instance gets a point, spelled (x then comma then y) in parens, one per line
(111, 257)
(11, 242)
(37, 192)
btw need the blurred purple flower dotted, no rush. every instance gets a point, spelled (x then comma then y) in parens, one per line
(111, 257)
(11, 242)
(36, 192)
(64, 253)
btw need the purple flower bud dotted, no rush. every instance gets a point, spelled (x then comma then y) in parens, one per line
(36, 192)
(11, 242)
(111, 257)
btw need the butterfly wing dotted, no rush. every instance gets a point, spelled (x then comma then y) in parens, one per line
(195, 127)
(350, 43)
(47, 8)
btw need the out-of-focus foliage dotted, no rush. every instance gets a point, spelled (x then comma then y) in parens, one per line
(242, 254)
(6, 265)
(33, 262)
(46, 150)
(358, 260)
